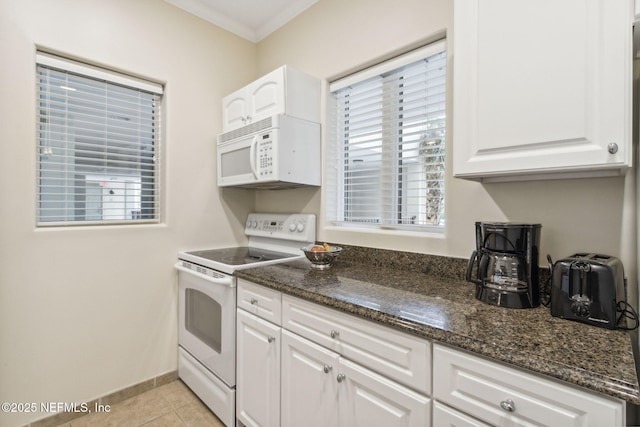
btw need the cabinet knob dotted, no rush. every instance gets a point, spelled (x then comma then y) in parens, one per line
(335, 334)
(341, 377)
(271, 339)
(508, 405)
(254, 301)
(327, 368)
(613, 148)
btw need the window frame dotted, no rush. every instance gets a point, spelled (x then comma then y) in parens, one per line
(334, 193)
(150, 194)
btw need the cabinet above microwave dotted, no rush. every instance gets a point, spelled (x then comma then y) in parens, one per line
(282, 91)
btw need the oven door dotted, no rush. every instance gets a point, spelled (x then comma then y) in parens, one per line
(207, 326)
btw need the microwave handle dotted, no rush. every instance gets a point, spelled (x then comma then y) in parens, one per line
(252, 156)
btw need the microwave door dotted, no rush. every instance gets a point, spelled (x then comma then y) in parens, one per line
(237, 162)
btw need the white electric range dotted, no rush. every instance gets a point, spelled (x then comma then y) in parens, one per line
(207, 303)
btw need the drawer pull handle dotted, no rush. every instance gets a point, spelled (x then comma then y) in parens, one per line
(508, 405)
(341, 377)
(327, 368)
(254, 301)
(271, 339)
(335, 334)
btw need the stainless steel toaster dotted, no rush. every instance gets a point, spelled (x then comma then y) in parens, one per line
(587, 288)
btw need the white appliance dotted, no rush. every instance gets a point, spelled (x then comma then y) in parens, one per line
(207, 303)
(274, 153)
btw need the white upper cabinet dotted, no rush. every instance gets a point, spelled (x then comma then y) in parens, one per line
(282, 91)
(542, 89)
(267, 95)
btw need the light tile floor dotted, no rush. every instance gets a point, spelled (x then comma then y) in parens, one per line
(170, 405)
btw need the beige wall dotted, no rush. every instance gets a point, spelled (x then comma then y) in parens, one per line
(334, 37)
(87, 311)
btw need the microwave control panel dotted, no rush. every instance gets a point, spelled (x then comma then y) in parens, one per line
(265, 155)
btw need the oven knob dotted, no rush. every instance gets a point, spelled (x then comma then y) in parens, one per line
(300, 227)
(292, 227)
(254, 224)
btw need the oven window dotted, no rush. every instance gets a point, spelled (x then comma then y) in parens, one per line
(236, 162)
(203, 318)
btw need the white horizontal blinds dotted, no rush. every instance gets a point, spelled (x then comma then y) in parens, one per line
(98, 146)
(390, 157)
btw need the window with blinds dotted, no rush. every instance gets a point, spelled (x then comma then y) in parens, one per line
(386, 167)
(98, 136)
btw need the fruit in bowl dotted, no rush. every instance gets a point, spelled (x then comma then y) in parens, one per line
(321, 256)
(320, 248)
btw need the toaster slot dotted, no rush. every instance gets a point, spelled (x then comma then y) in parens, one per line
(580, 255)
(603, 258)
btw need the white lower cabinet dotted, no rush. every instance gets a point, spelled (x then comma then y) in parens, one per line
(321, 388)
(308, 381)
(310, 366)
(368, 399)
(401, 357)
(504, 396)
(258, 371)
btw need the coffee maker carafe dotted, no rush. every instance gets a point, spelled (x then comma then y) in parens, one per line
(506, 261)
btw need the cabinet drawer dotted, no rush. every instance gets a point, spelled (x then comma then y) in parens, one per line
(502, 395)
(263, 302)
(398, 356)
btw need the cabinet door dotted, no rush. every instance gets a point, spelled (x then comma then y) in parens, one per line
(369, 400)
(234, 111)
(542, 87)
(258, 371)
(309, 386)
(266, 96)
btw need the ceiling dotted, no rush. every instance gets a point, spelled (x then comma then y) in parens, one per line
(251, 19)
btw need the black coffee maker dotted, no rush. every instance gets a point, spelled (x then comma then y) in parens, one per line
(506, 261)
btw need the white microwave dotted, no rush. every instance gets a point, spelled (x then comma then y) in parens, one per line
(274, 153)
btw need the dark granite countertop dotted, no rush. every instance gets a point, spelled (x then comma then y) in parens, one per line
(427, 296)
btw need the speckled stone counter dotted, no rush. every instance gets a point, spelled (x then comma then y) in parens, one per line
(427, 296)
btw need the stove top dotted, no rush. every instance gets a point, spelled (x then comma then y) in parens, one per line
(273, 238)
(229, 260)
(240, 255)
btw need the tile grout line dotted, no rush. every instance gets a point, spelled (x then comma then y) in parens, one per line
(108, 399)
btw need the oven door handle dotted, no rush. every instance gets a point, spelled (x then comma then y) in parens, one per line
(224, 281)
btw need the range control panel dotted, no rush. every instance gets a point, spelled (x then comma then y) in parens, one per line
(299, 227)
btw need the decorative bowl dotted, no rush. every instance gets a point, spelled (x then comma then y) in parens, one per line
(321, 260)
